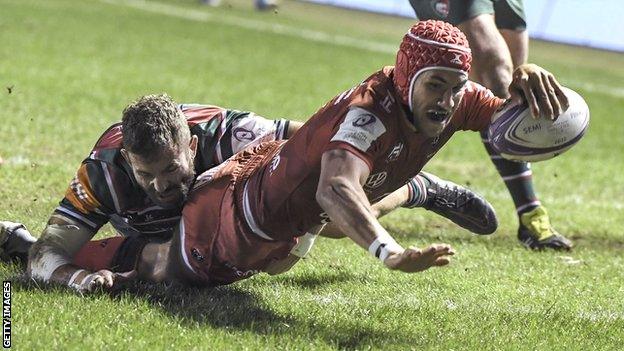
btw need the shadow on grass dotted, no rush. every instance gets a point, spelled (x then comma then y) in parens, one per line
(437, 232)
(236, 308)
(314, 280)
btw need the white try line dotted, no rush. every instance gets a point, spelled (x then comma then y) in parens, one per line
(308, 34)
(256, 25)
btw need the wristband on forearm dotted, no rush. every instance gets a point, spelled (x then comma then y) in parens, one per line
(383, 246)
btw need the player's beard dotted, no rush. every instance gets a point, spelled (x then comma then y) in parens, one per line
(181, 192)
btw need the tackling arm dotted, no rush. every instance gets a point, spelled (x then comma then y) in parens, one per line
(51, 256)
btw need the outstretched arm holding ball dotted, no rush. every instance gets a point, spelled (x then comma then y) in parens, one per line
(540, 89)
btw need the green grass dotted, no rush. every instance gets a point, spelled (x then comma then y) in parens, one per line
(74, 65)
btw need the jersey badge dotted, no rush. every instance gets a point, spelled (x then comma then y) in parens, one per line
(242, 134)
(359, 129)
(441, 7)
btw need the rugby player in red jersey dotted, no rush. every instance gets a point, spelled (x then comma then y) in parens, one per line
(496, 32)
(244, 216)
(136, 178)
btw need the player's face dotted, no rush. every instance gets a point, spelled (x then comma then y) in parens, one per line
(167, 178)
(436, 95)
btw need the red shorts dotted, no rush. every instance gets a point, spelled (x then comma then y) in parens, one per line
(217, 245)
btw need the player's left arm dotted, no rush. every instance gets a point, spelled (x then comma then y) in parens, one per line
(540, 89)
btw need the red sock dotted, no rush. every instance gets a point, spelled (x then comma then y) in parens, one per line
(98, 254)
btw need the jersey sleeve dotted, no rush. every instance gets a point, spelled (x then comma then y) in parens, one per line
(245, 129)
(223, 133)
(476, 108)
(91, 197)
(361, 133)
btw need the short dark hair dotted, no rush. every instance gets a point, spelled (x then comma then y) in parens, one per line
(153, 123)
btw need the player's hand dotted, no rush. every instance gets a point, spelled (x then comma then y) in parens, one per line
(102, 279)
(414, 259)
(540, 89)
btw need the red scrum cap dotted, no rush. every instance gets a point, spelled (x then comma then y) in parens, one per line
(427, 45)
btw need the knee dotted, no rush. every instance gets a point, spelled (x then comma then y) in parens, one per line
(491, 60)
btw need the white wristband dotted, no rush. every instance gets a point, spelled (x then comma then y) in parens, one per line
(383, 246)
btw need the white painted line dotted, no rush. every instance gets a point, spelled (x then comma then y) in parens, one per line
(312, 35)
(256, 25)
(613, 91)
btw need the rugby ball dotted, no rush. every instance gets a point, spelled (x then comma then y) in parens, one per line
(517, 136)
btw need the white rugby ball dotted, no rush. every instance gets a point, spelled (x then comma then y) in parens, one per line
(517, 136)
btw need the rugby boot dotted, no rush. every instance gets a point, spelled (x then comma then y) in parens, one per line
(15, 241)
(460, 205)
(537, 233)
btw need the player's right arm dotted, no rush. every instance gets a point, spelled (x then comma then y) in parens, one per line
(51, 256)
(79, 216)
(340, 193)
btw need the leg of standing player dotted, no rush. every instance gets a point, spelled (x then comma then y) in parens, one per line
(499, 43)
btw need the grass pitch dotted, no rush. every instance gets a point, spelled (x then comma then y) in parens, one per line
(68, 69)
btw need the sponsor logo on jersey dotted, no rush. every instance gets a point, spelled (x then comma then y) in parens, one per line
(241, 273)
(274, 163)
(364, 120)
(375, 180)
(242, 134)
(395, 152)
(359, 129)
(197, 256)
(441, 7)
(325, 218)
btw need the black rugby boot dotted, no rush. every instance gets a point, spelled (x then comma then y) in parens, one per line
(459, 204)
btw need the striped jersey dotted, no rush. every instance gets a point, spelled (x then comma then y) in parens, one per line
(104, 188)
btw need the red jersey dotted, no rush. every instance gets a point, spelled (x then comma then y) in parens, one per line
(217, 245)
(368, 121)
